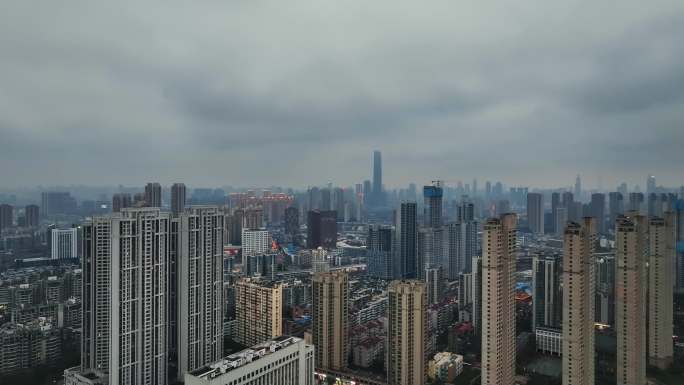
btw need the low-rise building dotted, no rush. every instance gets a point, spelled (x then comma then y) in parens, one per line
(445, 366)
(283, 360)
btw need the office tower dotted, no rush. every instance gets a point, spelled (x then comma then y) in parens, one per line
(153, 195)
(535, 212)
(662, 252)
(636, 203)
(338, 203)
(498, 307)
(177, 198)
(56, 202)
(326, 199)
(605, 289)
(32, 214)
(434, 283)
(406, 333)
(292, 222)
(284, 361)
(561, 220)
(198, 285)
(555, 203)
(432, 216)
(630, 293)
(615, 206)
(367, 192)
(321, 228)
(568, 199)
(377, 179)
(650, 185)
(6, 216)
(597, 209)
(258, 308)
(578, 303)
(679, 238)
(474, 187)
(121, 201)
(255, 242)
(547, 301)
(488, 189)
(64, 243)
(407, 241)
(379, 246)
(125, 317)
(329, 327)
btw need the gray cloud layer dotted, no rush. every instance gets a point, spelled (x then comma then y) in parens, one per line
(300, 92)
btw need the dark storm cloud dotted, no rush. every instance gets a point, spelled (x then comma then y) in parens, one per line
(266, 92)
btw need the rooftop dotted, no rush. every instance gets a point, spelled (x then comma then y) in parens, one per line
(245, 357)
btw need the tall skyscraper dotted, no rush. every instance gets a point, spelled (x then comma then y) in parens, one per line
(547, 301)
(32, 214)
(461, 247)
(198, 282)
(561, 220)
(125, 297)
(330, 319)
(379, 246)
(407, 241)
(406, 333)
(630, 292)
(578, 303)
(598, 211)
(153, 195)
(578, 188)
(6, 216)
(338, 203)
(555, 204)
(535, 212)
(568, 201)
(615, 206)
(432, 216)
(377, 179)
(498, 307)
(258, 308)
(650, 185)
(326, 200)
(177, 198)
(660, 316)
(292, 222)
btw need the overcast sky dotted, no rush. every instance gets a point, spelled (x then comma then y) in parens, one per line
(296, 93)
